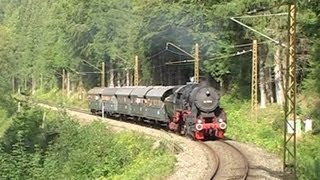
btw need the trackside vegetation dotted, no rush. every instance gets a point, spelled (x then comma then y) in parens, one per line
(40, 144)
(59, 46)
(267, 132)
(56, 96)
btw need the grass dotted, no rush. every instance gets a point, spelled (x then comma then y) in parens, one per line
(267, 132)
(57, 97)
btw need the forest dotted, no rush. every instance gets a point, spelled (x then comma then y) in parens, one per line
(40, 39)
(45, 42)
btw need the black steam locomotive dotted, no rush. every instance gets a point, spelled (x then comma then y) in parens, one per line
(192, 109)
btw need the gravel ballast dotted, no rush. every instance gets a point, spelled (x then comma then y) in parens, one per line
(262, 165)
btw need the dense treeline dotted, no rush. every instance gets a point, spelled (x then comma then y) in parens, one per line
(40, 38)
(44, 145)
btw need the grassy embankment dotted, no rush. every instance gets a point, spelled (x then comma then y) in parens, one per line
(266, 132)
(39, 144)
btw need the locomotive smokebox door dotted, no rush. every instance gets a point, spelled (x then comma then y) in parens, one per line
(206, 99)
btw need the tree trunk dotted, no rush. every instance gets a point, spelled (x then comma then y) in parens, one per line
(118, 79)
(161, 70)
(127, 78)
(13, 85)
(179, 76)
(33, 85)
(41, 81)
(131, 77)
(111, 77)
(270, 86)
(161, 75)
(63, 81)
(68, 83)
(278, 77)
(263, 96)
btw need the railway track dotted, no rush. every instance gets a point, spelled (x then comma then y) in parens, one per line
(228, 161)
(231, 163)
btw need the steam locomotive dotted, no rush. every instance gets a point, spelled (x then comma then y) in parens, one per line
(192, 110)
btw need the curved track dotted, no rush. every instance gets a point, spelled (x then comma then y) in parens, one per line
(232, 164)
(228, 161)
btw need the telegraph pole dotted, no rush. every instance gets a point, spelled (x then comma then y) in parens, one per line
(254, 81)
(103, 74)
(136, 71)
(290, 154)
(196, 64)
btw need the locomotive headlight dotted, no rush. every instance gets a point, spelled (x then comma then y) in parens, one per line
(220, 120)
(223, 125)
(199, 121)
(199, 127)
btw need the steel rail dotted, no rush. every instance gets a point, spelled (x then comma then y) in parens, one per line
(235, 171)
(212, 156)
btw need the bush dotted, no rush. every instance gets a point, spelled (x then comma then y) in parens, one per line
(267, 132)
(4, 122)
(46, 145)
(308, 157)
(241, 126)
(56, 96)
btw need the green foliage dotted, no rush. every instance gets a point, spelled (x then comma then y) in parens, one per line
(242, 127)
(308, 157)
(267, 132)
(47, 145)
(4, 122)
(74, 32)
(56, 96)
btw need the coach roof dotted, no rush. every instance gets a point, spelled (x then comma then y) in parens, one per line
(95, 90)
(158, 92)
(124, 91)
(141, 91)
(109, 91)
